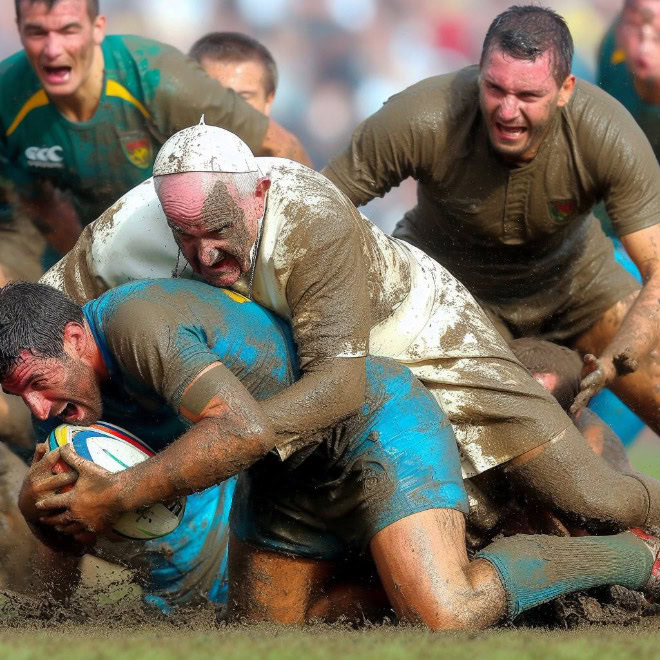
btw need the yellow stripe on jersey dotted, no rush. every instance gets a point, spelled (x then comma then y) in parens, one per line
(618, 56)
(35, 101)
(113, 88)
(237, 297)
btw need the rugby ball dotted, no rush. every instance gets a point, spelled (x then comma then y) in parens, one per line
(116, 449)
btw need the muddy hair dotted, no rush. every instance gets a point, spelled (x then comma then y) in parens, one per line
(526, 32)
(544, 357)
(32, 319)
(236, 47)
(92, 6)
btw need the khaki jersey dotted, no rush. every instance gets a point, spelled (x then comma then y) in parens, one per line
(347, 288)
(489, 223)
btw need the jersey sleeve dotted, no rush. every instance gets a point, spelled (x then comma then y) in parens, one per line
(165, 350)
(183, 93)
(327, 290)
(396, 142)
(629, 175)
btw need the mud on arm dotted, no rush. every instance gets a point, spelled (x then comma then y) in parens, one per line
(328, 295)
(230, 432)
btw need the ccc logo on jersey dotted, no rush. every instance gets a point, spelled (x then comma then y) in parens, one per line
(45, 156)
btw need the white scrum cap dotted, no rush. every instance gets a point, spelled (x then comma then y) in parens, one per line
(204, 148)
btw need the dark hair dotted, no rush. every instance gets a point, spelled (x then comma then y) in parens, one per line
(526, 32)
(92, 6)
(236, 47)
(32, 319)
(544, 357)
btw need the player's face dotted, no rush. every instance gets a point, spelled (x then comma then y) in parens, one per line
(213, 224)
(246, 78)
(519, 99)
(638, 34)
(66, 388)
(60, 43)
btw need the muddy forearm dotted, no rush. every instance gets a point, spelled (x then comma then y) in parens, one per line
(639, 333)
(281, 143)
(205, 455)
(326, 394)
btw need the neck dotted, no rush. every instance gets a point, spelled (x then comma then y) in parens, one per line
(648, 90)
(94, 357)
(82, 104)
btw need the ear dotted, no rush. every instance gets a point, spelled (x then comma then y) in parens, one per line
(75, 339)
(548, 380)
(262, 187)
(566, 90)
(98, 29)
(269, 103)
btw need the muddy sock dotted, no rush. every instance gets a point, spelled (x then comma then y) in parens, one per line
(536, 569)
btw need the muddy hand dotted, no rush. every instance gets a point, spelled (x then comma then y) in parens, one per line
(595, 376)
(93, 504)
(41, 481)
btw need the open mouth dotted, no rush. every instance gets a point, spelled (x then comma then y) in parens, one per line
(510, 132)
(57, 75)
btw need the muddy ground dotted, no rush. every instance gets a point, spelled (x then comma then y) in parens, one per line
(108, 621)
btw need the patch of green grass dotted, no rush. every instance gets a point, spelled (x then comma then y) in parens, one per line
(645, 455)
(78, 643)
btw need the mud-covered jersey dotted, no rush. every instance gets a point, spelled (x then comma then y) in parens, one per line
(503, 231)
(157, 336)
(615, 78)
(150, 91)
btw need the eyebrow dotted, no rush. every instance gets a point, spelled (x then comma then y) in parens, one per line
(38, 26)
(535, 92)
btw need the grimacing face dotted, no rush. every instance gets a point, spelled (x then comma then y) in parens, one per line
(638, 34)
(65, 388)
(60, 43)
(246, 77)
(213, 224)
(519, 99)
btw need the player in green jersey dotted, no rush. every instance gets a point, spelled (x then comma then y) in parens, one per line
(83, 114)
(629, 64)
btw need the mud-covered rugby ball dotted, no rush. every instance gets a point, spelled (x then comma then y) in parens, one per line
(116, 449)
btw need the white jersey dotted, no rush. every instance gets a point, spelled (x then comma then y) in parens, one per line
(420, 314)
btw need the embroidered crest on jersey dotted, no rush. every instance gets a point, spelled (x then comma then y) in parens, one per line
(562, 210)
(137, 150)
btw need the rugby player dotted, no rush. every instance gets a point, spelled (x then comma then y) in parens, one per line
(241, 63)
(629, 64)
(386, 480)
(83, 114)
(284, 236)
(510, 157)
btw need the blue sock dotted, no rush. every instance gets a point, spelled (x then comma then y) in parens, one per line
(536, 569)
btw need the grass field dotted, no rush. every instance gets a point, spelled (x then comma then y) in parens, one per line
(163, 643)
(202, 639)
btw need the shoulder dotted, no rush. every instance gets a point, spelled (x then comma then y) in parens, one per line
(19, 86)
(299, 191)
(595, 115)
(438, 98)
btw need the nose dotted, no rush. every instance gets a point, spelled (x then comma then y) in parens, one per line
(208, 252)
(53, 47)
(38, 404)
(508, 108)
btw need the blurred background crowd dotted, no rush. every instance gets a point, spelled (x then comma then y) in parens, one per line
(340, 59)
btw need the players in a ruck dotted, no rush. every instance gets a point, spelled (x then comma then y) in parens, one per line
(382, 485)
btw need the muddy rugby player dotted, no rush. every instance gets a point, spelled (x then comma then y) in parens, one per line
(387, 479)
(77, 101)
(510, 157)
(285, 237)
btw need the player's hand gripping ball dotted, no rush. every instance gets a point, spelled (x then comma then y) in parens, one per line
(115, 449)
